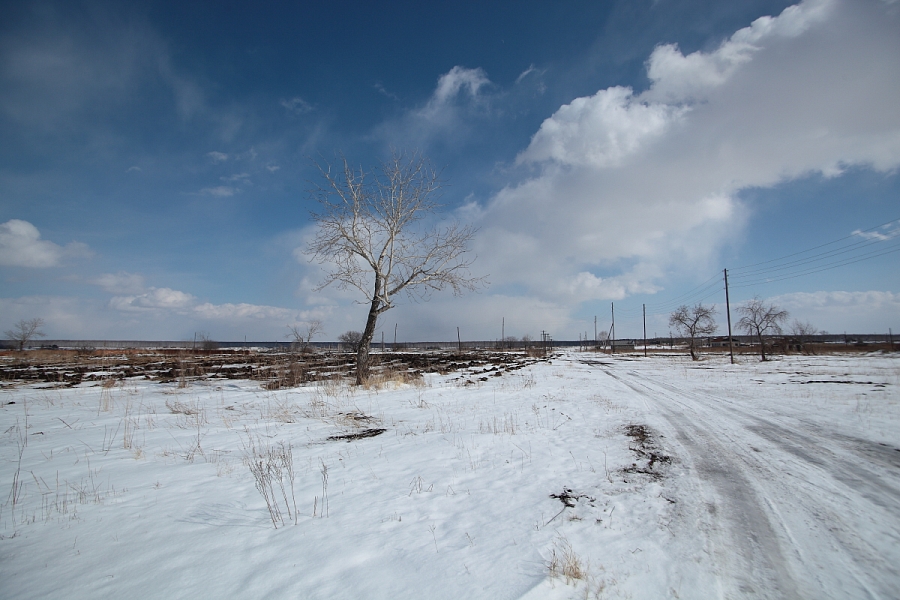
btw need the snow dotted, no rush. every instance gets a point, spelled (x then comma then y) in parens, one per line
(661, 477)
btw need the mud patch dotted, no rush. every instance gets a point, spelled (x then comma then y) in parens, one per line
(349, 437)
(649, 455)
(569, 498)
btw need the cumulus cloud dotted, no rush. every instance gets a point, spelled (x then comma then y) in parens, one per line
(153, 298)
(623, 188)
(217, 157)
(599, 131)
(21, 246)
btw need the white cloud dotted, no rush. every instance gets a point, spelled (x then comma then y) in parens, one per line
(679, 78)
(21, 246)
(120, 283)
(882, 233)
(222, 191)
(217, 157)
(626, 188)
(459, 92)
(384, 92)
(456, 80)
(599, 131)
(153, 298)
(297, 105)
(237, 178)
(243, 311)
(838, 311)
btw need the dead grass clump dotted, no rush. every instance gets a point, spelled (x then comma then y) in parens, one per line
(389, 378)
(272, 466)
(564, 563)
(176, 407)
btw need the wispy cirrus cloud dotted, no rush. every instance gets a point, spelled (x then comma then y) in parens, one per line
(297, 105)
(459, 94)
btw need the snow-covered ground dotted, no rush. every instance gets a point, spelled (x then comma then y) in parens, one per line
(590, 475)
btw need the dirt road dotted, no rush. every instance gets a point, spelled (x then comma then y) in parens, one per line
(784, 507)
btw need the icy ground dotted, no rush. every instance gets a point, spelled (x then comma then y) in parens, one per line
(590, 475)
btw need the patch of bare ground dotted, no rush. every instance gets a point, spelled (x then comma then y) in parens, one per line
(274, 369)
(648, 454)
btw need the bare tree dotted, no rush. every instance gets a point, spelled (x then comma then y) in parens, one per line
(303, 334)
(371, 231)
(803, 330)
(350, 340)
(759, 319)
(691, 322)
(24, 331)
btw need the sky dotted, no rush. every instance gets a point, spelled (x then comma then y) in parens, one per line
(156, 161)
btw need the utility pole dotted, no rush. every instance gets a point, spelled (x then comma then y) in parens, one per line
(644, 307)
(612, 339)
(503, 333)
(595, 330)
(458, 341)
(728, 312)
(395, 337)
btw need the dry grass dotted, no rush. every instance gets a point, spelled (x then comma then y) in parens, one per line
(564, 563)
(392, 379)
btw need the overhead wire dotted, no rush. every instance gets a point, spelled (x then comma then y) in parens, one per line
(755, 274)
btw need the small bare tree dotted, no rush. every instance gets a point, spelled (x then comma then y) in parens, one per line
(350, 340)
(371, 230)
(803, 330)
(759, 319)
(303, 334)
(24, 331)
(691, 322)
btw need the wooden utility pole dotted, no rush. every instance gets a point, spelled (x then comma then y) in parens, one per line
(728, 312)
(612, 338)
(395, 336)
(644, 308)
(458, 341)
(595, 330)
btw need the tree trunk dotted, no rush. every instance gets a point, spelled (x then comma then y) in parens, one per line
(693, 354)
(362, 353)
(762, 347)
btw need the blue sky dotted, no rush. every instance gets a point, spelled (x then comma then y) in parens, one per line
(156, 159)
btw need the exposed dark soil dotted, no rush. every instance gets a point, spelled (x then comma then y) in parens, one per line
(349, 437)
(646, 448)
(275, 369)
(569, 498)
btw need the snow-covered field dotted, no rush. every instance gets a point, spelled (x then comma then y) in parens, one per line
(590, 475)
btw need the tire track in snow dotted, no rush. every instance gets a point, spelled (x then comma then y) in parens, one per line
(797, 499)
(743, 544)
